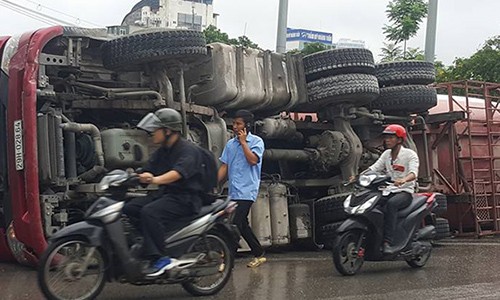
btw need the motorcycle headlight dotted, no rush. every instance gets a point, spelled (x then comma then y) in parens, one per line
(363, 207)
(366, 180)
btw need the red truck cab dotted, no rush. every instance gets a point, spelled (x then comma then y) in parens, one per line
(20, 190)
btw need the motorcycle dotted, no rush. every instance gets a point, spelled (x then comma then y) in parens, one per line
(81, 257)
(361, 236)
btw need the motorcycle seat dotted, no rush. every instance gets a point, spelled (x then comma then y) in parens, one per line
(418, 201)
(205, 210)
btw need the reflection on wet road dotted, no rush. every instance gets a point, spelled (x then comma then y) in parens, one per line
(455, 271)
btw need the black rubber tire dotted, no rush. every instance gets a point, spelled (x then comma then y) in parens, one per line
(194, 290)
(442, 229)
(405, 99)
(405, 72)
(442, 204)
(338, 61)
(358, 89)
(328, 233)
(421, 260)
(330, 209)
(341, 251)
(130, 53)
(42, 282)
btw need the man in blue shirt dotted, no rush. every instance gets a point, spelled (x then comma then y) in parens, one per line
(241, 164)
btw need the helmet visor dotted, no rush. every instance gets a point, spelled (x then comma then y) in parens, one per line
(150, 123)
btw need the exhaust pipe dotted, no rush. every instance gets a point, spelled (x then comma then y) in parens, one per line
(94, 132)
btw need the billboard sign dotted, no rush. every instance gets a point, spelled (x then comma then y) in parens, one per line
(308, 36)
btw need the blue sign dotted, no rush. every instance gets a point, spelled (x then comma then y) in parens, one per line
(309, 36)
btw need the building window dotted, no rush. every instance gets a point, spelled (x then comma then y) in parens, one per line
(189, 21)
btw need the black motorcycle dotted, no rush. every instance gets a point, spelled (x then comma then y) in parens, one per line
(361, 236)
(81, 257)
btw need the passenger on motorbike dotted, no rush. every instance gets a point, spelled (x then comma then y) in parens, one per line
(174, 167)
(401, 164)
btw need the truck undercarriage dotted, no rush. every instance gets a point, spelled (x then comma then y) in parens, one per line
(72, 98)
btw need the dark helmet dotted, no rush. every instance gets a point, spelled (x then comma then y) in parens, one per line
(397, 130)
(163, 118)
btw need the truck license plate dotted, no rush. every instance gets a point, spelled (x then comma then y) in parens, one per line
(18, 144)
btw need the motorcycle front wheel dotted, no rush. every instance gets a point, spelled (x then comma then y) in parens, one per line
(70, 268)
(218, 258)
(348, 252)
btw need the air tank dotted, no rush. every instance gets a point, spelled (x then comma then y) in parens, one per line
(279, 214)
(261, 216)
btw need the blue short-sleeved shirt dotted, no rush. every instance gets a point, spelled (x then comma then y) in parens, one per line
(243, 178)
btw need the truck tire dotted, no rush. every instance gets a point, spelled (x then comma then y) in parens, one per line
(338, 61)
(442, 229)
(330, 209)
(358, 89)
(405, 99)
(327, 234)
(442, 205)
(130, 52)
(405, 72)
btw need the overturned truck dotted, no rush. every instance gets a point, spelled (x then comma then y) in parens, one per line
(71, 98)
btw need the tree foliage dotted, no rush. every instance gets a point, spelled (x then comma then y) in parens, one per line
(484, 65)
(405, 17)
(392, 52)
(311, 48)
(215, 35)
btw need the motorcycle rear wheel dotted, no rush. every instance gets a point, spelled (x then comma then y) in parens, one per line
(218, 255)
(420, 260)
(346, 258)
(63, 262)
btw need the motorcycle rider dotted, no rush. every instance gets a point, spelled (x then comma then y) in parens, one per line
(174, 167)
(402, 165)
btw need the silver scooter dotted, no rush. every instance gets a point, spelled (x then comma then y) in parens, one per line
(81, 257)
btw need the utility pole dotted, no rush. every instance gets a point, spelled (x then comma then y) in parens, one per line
(430, 37)
(282, 25)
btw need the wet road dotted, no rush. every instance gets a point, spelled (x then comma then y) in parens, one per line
(455, 271)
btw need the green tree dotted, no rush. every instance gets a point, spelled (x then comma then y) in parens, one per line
(310, 48)
(391, 52)
(484, 65)
(215, 35)
(415, 54)
(405, 17)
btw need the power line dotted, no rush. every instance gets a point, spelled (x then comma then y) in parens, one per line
(63, 13)
(31, 11)
(48, 22)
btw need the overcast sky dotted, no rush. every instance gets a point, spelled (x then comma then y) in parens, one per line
(463, 25)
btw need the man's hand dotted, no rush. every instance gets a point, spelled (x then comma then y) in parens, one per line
(242, 136)
(146, 178)
(399, 182)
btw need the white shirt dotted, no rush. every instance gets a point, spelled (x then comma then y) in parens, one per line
(405, 163)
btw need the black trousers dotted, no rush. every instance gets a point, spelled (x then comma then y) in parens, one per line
(157, 215)
(241, 221)
(394, 203)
